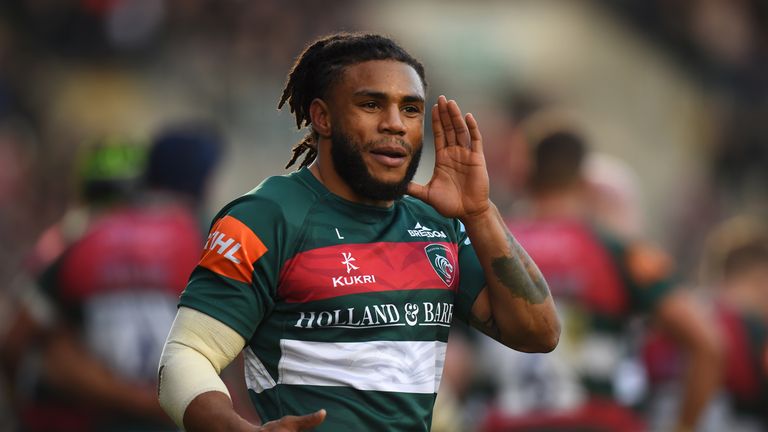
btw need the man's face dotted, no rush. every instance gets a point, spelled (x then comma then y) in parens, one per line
(377, 112)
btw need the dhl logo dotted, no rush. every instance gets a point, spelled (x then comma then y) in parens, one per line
(231, 250)
(227, 247)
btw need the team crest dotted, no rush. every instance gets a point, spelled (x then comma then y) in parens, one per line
(442, 261)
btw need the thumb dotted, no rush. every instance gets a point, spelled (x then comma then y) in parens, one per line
(310, 420)
(417, 191)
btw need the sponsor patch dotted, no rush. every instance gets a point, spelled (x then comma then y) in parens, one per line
(231, 250)
(422, 231)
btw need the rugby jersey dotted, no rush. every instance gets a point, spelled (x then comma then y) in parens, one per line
(598, 291)
(343, 306)
(118, 286)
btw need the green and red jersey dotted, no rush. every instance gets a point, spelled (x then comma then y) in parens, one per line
(116, 287)
(343, 306)
(599, 284)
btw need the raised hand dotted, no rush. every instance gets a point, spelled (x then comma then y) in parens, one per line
(459, 184)
(294, 423)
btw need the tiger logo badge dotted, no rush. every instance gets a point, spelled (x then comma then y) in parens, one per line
(442, 261)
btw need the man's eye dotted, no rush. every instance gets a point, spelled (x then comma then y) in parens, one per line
(370, 105)
(411, 109)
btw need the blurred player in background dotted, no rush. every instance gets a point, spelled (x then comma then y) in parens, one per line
(601, 281)
(339, 289)
(738, 267)
(613, 194)
(20, 307)
(735, 267)
(106, 172)
(114, 289)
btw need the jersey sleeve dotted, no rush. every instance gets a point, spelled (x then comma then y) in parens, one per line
(471, 275)
(650, 275)
(236, 279)
(646, 270)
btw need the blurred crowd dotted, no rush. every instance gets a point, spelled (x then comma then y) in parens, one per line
(114, 120)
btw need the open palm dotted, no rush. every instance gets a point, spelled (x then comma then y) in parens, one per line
(459, 184)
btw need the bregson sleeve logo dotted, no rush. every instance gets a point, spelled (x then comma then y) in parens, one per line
(442, 261)
(422, 231)
(231, 250)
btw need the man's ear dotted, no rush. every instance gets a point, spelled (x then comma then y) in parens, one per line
(321, 117)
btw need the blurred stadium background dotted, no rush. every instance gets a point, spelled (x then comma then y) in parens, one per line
(677, 89)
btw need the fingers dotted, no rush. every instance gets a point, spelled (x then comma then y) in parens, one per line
(474, 133)
(452, 125)
(437, 129)
(295, 423)
(459, 125)
(445, 121)
(417, 191)
(310, 420)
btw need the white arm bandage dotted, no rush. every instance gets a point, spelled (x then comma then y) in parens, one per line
(197, 349)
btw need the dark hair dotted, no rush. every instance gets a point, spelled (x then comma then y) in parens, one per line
(320, 65)
(753, 254)
(182, 157)
(558, 160)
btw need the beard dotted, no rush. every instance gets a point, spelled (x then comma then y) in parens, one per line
(348, 161)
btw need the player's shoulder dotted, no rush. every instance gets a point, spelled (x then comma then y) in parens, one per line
(644, 261)
(277, 197)
(285, 188)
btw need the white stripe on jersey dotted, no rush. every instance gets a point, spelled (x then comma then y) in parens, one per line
(256, 376)
(396, 366)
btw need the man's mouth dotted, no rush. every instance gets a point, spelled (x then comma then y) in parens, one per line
(390, 156)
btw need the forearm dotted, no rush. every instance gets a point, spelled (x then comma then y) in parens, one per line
(75, 372)
(190, 390)
(702, 381)
(197, 349)
(213, 411)
(689, 324)
(520, 306)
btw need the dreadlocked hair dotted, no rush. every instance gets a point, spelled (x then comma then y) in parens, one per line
(320, 65)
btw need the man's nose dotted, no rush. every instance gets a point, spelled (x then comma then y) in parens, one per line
(392, 121)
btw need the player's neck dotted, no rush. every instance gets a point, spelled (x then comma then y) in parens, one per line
(326, 174)
(559, 205)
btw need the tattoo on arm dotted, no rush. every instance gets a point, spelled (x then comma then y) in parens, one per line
(520, 274)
